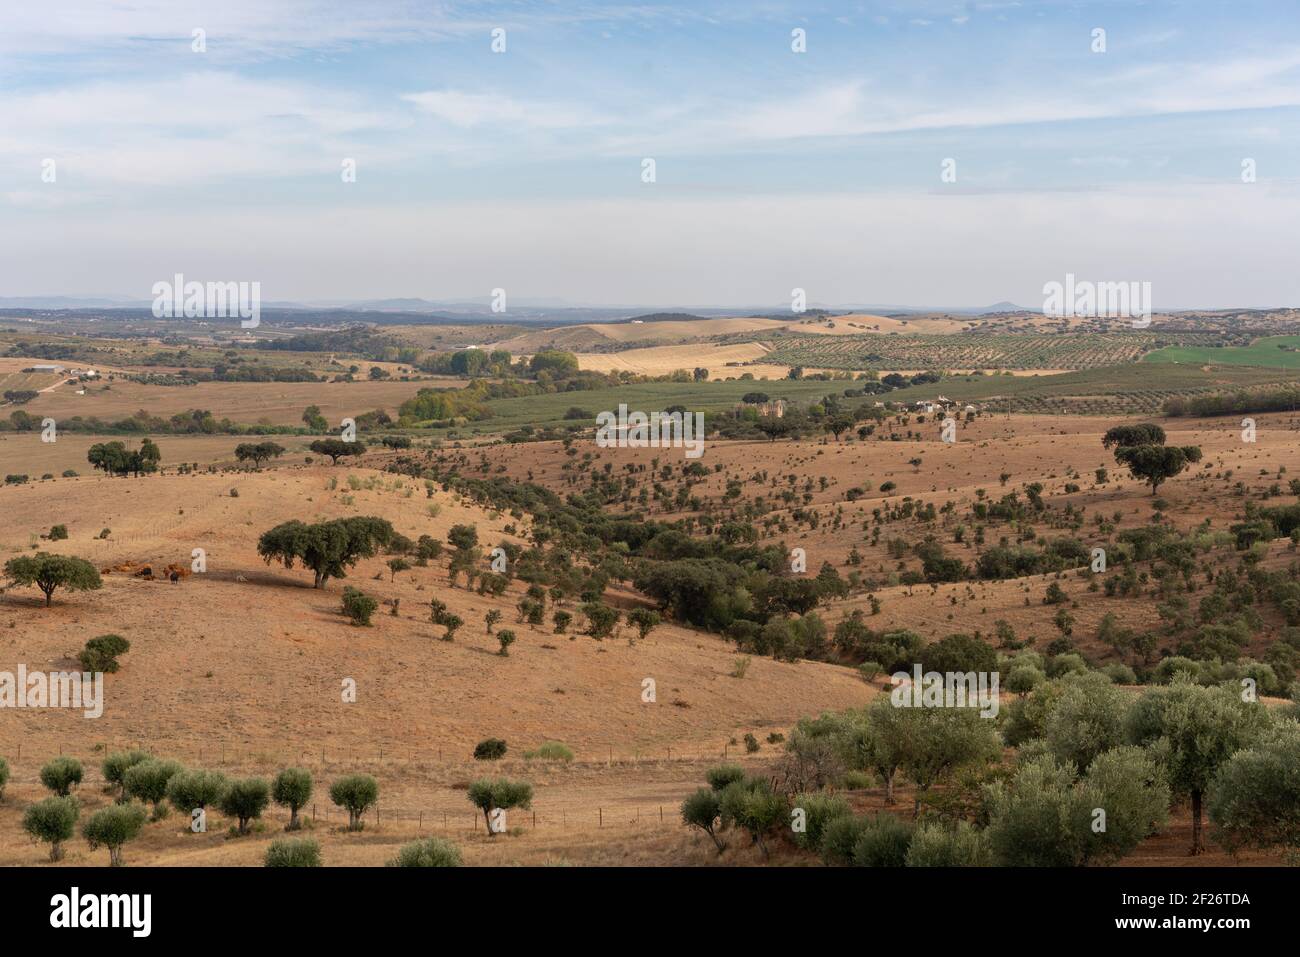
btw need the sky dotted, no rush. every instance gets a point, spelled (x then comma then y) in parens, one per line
(914, 153)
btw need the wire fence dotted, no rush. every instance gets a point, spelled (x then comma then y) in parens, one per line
(442, 817)
(404, 817)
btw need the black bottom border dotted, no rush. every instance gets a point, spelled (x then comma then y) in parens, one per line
(334, 905)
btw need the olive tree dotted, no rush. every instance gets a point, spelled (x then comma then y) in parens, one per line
(1196, 731)
(1254, 800)
(292, 789)
(1087, 719)
(191, 790)
(61, 774)
(939, 740)
(356, 792)
(147, 781)
(753, 806)
(52, 820)
(117, 764)
(245, 800)
(113, 826)
(499, 794)
(875, 739)
(701, 810)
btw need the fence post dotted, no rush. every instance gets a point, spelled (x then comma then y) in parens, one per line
(601, 812)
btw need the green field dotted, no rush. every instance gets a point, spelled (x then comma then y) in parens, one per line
(1133, 389)
(1073, 350)
(547, 411)
(1273, 352)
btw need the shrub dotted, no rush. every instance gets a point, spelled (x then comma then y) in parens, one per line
(245, 801)
(52, 820)
(4, 777)
(936, 845)
(644, 620)
(100, 654)
(601, 619)
(358, 606)
(839, 838)
(818, 812)
(958, 653)
(490, 749)
(58, 533)
(1120, 673)
(723, 774)
(431, 852)
(117, 764)
(147, 781)
(356, 792)
(551, 751)
(293, 852)
(1066, 664)
(1024, 678)
(292, 789)
(112, 827)
(883, 842)
(507, 638)
(61, 774)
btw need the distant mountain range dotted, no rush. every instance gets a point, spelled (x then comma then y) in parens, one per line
(519, 310)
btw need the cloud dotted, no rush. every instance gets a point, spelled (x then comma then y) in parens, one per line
(194, 127)
(493, 109)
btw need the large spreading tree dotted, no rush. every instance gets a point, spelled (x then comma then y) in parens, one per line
(50, 572)
(114, 458)
(258, 452)
(1142, 449)
(327, 548)
(337, 448)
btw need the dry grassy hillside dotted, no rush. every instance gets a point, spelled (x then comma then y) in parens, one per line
(1055, 451)
(247, 674)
